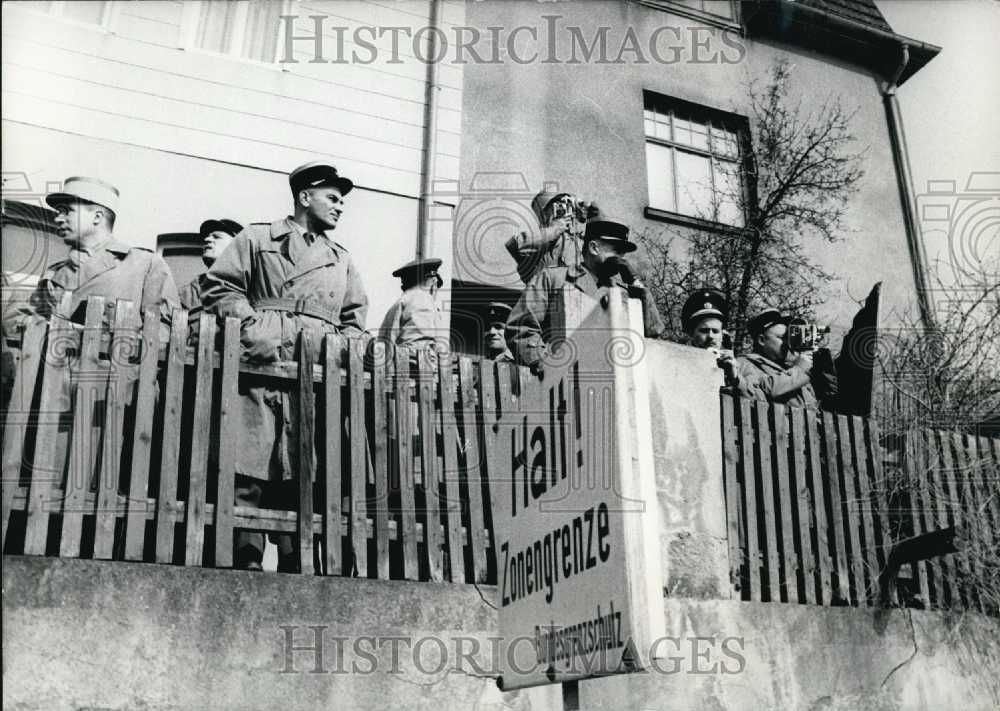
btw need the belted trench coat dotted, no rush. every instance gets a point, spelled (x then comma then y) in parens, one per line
(269, 263)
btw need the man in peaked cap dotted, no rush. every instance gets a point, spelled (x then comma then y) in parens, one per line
(558, 242)
(216, 235)
(494, 340)
(772, 372)
(279, 279)
(98, 264)
(416, 319)
(534, 321)
(703, 318)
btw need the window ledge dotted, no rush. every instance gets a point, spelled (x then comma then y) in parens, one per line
(653, 213)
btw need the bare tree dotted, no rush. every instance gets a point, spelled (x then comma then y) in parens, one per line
(800, 169)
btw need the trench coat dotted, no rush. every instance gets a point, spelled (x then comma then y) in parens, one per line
(190, 296)
(276, 262)
(415, 321)
(538, 319)
(114, 271)
(533, 253)
(762, 379)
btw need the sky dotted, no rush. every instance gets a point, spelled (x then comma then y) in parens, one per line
(951, 116)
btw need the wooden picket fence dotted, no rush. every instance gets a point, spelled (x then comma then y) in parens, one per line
(141, 466)
(814, 515)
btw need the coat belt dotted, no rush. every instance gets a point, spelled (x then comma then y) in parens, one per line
(297, 306)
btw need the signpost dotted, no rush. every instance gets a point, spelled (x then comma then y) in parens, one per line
(579, 573)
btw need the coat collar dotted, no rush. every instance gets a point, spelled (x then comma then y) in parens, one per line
(282, 229)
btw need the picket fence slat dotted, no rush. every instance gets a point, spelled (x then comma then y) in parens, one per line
(429, 466)
(228, 441)
(123, 344)
(142, 438)
(820, 507)
(332, 455)
(957, 519)
(473, 480)
(805, 503)
(734, 497)
(923, 505)
(194, 524)
(17, 422)
(381, 356)
(307, 453)
(789, 561)
(964, 473)
(864, 507)
(404, 465)
(755, 561)
(453, 505)
(359, 544)
(87, 394)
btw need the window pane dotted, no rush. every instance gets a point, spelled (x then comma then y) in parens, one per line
(694, 185)
(90, 12)
(722, 8)
(215, 25)
(660, 177)
(724, 143)
(729, 191)
(650, 127)
(157, 21)
(699, 135)
(682, 131)
(261, 41)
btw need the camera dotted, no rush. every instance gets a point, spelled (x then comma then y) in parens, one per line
(804, 336)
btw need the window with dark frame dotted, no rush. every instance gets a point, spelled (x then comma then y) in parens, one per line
(694, 161)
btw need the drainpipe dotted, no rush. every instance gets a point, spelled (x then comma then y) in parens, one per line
(430, 134)
(904, 180)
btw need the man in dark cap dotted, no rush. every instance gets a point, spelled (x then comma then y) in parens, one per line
(773, 372)
(416, 319)
(98, 264)
(558, 242)
(703, 318)
(216, 235)
(538, 318)
(279, 279)
(494, 340)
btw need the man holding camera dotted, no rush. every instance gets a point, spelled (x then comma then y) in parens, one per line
(561, 220)
(535, 321)
(779, 370)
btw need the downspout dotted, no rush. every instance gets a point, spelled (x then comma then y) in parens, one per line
(904, 180)
(432, 92)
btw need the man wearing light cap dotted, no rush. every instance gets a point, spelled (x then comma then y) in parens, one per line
(772, 372)
(558, 243)
(279, 279)
(416, 319)
(98, 264)
(216, 235)
(494, 340)
(534, 321)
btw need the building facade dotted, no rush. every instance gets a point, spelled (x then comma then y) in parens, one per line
(642, 107)
(200, 109)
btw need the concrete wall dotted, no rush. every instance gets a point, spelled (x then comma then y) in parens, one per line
(581, 126)
(86, 634)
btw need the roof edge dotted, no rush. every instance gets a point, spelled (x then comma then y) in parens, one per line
(840, 36)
